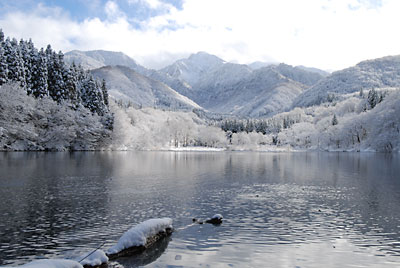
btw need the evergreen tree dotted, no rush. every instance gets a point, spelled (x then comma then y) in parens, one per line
(373, 98)
(56, 83)
(15, 62)
(27, 66)
(3, 67)
(39, 74)
(334, 120)
(44, 73)
(1, 36)
(71, 86)
(92, 97)
(104, 91)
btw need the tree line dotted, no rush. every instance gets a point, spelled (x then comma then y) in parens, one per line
(44, 73)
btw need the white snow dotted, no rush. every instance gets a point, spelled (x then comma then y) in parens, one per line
(195, 149)
(56, 263)
(137, 235)
(96, 258)
(217, 217)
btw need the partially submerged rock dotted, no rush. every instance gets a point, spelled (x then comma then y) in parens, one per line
(216, 219)
(140, 237)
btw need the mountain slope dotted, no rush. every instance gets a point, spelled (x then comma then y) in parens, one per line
(377, 73)
(99, 58)
(128, 85)
(263, 93)
(238, 89)
(194, 68)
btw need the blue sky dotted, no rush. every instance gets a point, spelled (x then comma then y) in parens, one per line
(327, 34)
(80, 10)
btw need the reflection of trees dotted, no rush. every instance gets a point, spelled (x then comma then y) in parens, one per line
(50, 198)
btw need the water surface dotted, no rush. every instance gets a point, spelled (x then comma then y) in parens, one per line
(280, 210)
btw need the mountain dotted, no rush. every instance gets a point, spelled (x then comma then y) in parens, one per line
(260, 64)
(377, 73)
(99, 58)
(262, 93)
(207, 80)
(238, 89)
(128, 85)
(194, 68)
(314, 70)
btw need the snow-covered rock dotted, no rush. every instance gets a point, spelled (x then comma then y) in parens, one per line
(51, 264)
(98, 257)
(139, 234)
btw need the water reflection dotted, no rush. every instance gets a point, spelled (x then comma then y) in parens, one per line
(284, 210)
(148, 256)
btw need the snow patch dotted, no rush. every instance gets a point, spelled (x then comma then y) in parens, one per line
(138, 235)
(217, 217)
(96, 258)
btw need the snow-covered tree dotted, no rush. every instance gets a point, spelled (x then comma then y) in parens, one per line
(39, 74)
(15, 62)
(3, 67)
(373, 98)
(334, 120)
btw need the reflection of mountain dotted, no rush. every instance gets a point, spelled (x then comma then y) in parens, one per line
(146, 257)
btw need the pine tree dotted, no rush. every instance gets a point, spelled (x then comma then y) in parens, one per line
(71, 86)
(15, 62)
(334, 120)
(1, 36)
(39, 74)
(56, 81)
(3, 66)
(104, 92)
(92, 97)
(373, 98)
(27, 66)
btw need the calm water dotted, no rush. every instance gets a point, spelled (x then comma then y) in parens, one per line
(280, 210)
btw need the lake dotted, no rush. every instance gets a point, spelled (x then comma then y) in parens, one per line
(280, 209)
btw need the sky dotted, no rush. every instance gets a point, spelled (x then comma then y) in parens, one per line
(326, 34)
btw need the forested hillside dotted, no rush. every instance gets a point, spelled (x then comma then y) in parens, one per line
(43, 75)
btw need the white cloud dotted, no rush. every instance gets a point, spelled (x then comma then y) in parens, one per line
(325, 34)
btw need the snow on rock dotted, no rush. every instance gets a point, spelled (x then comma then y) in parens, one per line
(138, 235)
(51, 264)
(98, 257)
(217, 217)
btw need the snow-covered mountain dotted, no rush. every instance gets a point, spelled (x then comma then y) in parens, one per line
(238, 89)
(126, 84)
(211, 82)
(263, 92)
(194, 68)
(260, 64)
(99, 58)
(377, 73)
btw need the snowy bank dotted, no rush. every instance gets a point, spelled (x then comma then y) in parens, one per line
(51, 264)
(194, 149)
(140, 237)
